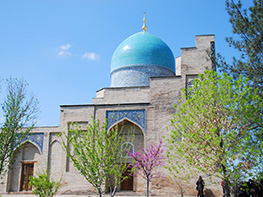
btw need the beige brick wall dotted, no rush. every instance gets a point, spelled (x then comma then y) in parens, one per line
(122, 95)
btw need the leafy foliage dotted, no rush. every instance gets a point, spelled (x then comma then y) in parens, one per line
(217, 130)
(19, 114)
(146, 161)
(43, 187)
(247, 27)
(97, 154)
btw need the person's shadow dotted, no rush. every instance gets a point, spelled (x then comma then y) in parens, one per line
(209, 193)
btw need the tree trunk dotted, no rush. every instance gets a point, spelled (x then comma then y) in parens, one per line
(227, 188)
(226, 183)
(100, 192)
(147, 190)
(114, 192)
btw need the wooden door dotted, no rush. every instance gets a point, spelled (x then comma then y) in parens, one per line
(128, 183)
(27, 171)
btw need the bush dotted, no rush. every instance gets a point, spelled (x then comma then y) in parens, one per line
(42, 186)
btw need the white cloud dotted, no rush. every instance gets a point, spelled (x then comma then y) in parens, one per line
(91, 56)
(65, 47)
(64, 50)
(64, 53)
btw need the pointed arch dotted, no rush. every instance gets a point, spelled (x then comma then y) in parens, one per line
(53, 141)
(27, 154)
(136, 116)
(122, 121)
(25, 142)
(54, 159)
(125, 125)
(35, 138)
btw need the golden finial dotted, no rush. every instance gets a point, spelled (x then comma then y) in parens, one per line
(144, 23)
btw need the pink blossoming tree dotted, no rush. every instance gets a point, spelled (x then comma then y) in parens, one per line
(146, 161)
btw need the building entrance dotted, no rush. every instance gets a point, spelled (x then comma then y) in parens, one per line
(127, 184)
(27, 171)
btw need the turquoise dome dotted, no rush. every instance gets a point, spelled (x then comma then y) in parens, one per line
(143, 49)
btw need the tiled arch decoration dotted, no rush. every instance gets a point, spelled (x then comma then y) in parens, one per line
(136, 116)
(36, 138)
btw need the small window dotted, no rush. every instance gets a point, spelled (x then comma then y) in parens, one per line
(190, 89)
(190, 85)
(127, 146)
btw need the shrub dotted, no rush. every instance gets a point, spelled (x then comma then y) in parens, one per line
(43, 186)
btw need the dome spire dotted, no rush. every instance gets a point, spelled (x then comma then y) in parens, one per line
(144, 23)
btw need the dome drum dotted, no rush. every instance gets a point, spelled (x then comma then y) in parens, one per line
(137, 76)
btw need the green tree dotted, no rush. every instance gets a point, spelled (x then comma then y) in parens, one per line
(19, 117)
(247, 25)
(98, 154)
(217, 129)
(42, 186)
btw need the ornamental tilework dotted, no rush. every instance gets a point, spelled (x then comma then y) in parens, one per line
(36, 138)
(137, 75)
(136, 116)
(212, 47)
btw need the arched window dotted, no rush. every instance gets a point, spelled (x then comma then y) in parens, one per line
(127, 146)
(190, 89)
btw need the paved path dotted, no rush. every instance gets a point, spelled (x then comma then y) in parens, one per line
(122, 194)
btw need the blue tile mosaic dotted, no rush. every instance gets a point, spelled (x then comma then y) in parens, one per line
(36, 138)
(137, 75)
(212, 48)
(136, 116)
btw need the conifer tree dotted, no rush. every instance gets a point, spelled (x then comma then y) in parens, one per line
(247, 26)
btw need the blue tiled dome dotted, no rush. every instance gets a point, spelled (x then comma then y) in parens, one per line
(140, 57)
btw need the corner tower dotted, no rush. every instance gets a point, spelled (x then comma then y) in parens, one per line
(140, 57)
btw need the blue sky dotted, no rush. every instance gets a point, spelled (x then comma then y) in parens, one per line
(63, 48)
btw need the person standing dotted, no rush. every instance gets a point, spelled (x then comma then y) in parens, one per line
(200, 187)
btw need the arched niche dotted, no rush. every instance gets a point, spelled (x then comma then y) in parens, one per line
(29, 150)
(26, 157)
(127, 127)
(54, 160)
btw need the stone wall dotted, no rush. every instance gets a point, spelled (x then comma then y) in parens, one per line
(122, 95)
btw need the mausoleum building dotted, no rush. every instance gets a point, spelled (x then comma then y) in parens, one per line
(146, 82)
